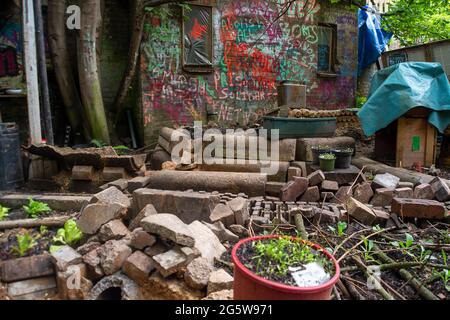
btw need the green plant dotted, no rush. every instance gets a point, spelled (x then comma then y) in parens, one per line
(360, 101)
(327, 156)
(368, 249)
(121, 150)
(341, 226)
(43, 230)
(24, 243)
(424, 254)
(69, 235)
(98, 143)
(36, 207)
(3, 212)
(445, 236)
(405, 245)
(280, 254)
(445, 277)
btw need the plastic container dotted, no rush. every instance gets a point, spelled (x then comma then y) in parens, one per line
(327, 165)
(249, 286)
(301, 127)
(11, 172)
(343, 158)
(317, 152)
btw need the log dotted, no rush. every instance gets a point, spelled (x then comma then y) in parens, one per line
(252, 184)
(300, 226)
(32, 223)
(404, 174)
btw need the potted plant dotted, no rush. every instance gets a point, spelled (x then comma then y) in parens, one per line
(318, 150)
(343, 157)
(276, 267)
(327, 161)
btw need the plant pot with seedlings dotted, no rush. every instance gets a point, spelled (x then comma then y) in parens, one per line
(318, 150)
(327, 161)
(343, 157)
(279, 267)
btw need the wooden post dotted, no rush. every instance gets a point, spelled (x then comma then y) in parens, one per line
(29, 43)
(42, 67)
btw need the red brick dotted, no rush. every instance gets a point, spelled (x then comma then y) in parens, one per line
(316, 178)
(293, 189)
(312, 194)
(383, 197)
(363, 192)
(328, 185)
(441, 189)
(424, 191)
(360, 211)
(342, 195)
(138, 267)
(418, 208)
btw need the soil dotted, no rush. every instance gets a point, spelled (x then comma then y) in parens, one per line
(246, 253)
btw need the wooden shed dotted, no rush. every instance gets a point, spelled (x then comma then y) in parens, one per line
(408, 141)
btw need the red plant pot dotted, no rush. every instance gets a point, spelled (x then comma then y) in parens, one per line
(249, 286)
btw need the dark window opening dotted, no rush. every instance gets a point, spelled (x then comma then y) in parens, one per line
(326, 48)
(197, 38)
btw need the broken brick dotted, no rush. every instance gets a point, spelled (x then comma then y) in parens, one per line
(383, 197)
(360, 211)
(316, 178)
(363, 192)
(424, 191)
(441, 189)
(293, 189)
(312, 194)
(418, 208)
(328, 185)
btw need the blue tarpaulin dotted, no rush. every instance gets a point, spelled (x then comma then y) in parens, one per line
(372, 40)
(397, 89)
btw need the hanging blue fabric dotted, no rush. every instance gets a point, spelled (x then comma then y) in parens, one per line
(372, 40)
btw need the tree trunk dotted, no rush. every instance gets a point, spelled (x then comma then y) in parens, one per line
(133, 54)
(63, 67)
(91, 93)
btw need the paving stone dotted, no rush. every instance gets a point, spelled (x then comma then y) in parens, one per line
(223, 213)
(219, 280)
(383, 197)
(239, 206)
(64, 257)
(441, 189)
(95, 215)
(169, 262)
(112, 256)
(137, 183)
(221, 232)
(293, 172)
(424, 191)
(342, 194)
(26, 268)
(328, 185)
(403, 193)
(360, 211)
(206, 242)
(294, 189)
(112, 195)
(32, 288)
(419, 208)
(138, 267)
(148, 210)
(363, 192)
(197, 273)
(385, 180)
(170, 227)
(141, 239)
(113, 230)
(113, 173)
(316, 178)
(84, 173)
(311, 194)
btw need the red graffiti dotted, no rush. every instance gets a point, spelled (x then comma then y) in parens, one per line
(198, 30)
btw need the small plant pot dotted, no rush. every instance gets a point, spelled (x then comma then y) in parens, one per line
(327, 164)
(317, 152)
(343, 158)
(249, 286)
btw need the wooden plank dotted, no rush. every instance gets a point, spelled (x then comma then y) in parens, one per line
(430, 147)
(30, 62)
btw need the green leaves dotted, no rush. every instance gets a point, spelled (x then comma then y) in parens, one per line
(3, 212)
(68, 235)
(34, 208)
(24, 243)
(368, 249)
(418, 21)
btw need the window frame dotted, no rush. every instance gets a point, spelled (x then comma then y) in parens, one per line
(197, 68)
(333, 52)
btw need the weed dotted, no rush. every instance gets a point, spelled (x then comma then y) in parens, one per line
(406, 245)
(69, 235)
(341, 227)
(24, 243)
(43, 230)
(34, 208)
(3, 212)
(368, 249)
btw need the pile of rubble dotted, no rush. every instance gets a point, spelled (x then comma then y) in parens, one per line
(152, 254)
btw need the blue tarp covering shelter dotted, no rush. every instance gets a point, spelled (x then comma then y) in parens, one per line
(399, 88)
(372, 40)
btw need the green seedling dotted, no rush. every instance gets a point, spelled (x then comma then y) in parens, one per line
(24, 243)
(34, 208)
(121, 150)
(368, 249)
(377, 228)
(406, 245)
(43, 230)
(424, 254)
(3, 212)
(98, 143)
(445, 277)
(341, 227)
(445, 236)
(68, 235)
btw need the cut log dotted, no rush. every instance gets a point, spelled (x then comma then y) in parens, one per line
(32, 223)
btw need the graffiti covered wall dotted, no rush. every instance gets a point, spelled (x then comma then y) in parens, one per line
(253, 50)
